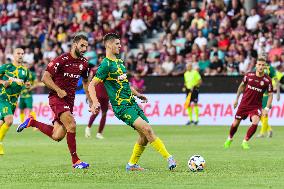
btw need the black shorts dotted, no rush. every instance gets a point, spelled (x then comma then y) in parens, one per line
(194, 95)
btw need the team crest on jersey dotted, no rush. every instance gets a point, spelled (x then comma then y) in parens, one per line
(261, 83)
(122, 77)
(81, 67)
(23, 72)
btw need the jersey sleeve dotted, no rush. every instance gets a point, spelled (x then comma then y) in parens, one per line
(270, 87)
(85, 73)
(245, 79)
(54, 66)
(272, 72)
(102, 71)
(2, 69)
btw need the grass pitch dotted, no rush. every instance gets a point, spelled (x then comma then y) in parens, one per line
(34, 161)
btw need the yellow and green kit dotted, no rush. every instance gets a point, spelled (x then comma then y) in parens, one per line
(17, 76)
(114, 75)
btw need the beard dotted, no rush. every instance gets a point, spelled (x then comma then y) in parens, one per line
(78, 53)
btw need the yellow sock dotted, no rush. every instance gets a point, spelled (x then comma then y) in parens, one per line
(160, 147)
(196, 112)
(189, 111)
(3, 130)
(22, 117)
(265, 124)
(33, 114)
(137, 151)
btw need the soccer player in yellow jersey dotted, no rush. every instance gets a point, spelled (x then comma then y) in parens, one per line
(114, 75)
(192, 81)
(13, 77)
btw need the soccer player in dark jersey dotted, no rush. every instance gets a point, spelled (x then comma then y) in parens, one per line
(253, 86)
(13, 77)
(114, 75)
(104, 101)
(61, 77)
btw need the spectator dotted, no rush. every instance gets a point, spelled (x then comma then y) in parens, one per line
(252, 20)
(200, 40)
(203, 63)
(137, 83)
(179, 66)
(167, 66)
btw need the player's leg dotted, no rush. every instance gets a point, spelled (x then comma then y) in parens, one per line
(22, 106)
(251, 130)
(143, 127)
(104, 108)
(88, 128)
(8, 121)
(233, 130)
(195, 108)
(188, 106)
(264, 119)
(69, 123)
(138, 149)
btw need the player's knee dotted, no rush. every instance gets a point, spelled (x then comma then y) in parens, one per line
(147, 131)
(58, 137)
(9, 120)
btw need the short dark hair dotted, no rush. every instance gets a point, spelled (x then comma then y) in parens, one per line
(261, 59)
(78, 37)
(110, 36)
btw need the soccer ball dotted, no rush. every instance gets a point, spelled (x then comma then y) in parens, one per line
(196, 163)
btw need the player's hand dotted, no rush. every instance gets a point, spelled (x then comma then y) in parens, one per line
(183, 89)
(28, 84)
(235, 104)
(264, 113)
(95, 108)
(61, 93)
(7, 83)
(143, 98)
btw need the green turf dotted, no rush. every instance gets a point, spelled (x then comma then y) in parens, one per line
(34, 161)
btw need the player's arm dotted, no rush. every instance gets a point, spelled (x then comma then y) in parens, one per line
(2, 72)
(101, 75)
(94, 102)
(269, 101)
(139, 95)
(277, 85)
(48, 81)
(86, 83)
(241, 89)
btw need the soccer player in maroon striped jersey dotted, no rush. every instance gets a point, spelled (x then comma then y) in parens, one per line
(104, 102)
(61, 77)
(253, 86)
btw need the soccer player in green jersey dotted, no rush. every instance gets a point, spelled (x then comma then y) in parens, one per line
(13, 77)
(26, 98)
(192, 81)
(114, 75)
(265, 127)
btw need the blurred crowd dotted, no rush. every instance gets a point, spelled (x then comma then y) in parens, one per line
(219, 37)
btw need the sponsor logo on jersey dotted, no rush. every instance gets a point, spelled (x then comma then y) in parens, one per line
(66, 107)
(17, 80)
(255, 88)
(71, 75)
(81, 67)
(122, 77)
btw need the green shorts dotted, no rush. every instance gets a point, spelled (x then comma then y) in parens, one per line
(26, 103)
(264, 101)
(129, 113)
(6, 108)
